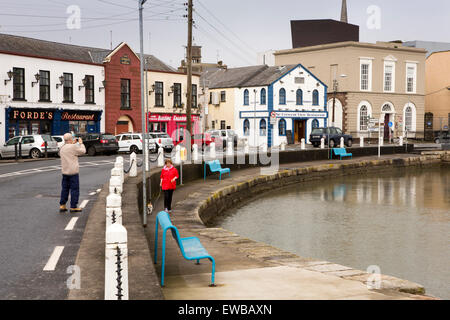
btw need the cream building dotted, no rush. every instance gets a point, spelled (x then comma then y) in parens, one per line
(437, 99)
(385, 81)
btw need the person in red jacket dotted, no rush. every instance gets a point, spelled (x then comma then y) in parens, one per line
(169, 176)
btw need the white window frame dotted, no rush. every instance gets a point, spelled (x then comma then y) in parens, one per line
(413, 117)
(414, 66)
(389, 63)
(363, 61)
(369, 114)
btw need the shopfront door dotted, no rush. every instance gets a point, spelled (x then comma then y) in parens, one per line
(181, 132)
(299, 130)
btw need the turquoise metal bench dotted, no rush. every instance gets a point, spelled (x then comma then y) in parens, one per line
(191, 248)
(341, 152)
(215, 166)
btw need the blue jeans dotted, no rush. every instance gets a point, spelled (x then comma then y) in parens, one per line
(72, 184)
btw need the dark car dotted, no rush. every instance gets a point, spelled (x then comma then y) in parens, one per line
(333, 134)
(442, 137)
(99, 143)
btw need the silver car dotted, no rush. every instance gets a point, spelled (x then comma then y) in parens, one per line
(163, 140)
(31, 146)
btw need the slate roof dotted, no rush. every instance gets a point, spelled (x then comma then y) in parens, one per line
(63, 51)
(253, 76)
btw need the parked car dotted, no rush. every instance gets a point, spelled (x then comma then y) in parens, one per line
(132, 142)
(226, 135)
(203, 140)
(442, 137)
(334, 134)
(59, 140)
(99, 143)
(162, 139)
(218, 137)
(31, 146)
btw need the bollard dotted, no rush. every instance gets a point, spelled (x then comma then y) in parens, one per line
(115, 185)
(264, 148)
(119, 159)
(133, 170)
(246, 147)
(45, 149)
(361, 142)
(195, 153)
(322, 143)
(303, 147)
(20, 151)
(113, 209)
(230, 148)
(381, 141)
(160, 157)
(283, 146)
(177, 155)
(212, 150)
(119, 165)
(116, 263)
(400, 140)
(342, 142)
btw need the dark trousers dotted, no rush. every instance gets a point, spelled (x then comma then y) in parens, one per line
(168, 199)
(72, 184)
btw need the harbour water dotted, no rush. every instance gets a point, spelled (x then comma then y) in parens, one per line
(398, 221)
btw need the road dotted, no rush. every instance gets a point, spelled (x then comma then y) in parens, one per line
(37, 243)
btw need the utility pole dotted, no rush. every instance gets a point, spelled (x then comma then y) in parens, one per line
(189, 71)
(144, 117)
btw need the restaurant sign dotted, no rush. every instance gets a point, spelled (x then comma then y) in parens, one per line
(22, 114)
(78, 116)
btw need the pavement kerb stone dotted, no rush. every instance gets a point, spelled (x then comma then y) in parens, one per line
(277, 256)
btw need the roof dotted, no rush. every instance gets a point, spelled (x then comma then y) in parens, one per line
(269, 75)
(69, 52)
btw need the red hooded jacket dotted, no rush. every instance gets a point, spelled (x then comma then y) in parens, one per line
(167, 174)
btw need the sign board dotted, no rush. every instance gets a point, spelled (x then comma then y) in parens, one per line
(125, 60)
(30, 114)
(273, 118)
(390, 124)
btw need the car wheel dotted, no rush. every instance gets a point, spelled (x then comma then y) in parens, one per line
(349, 143)
(91, 151)
(332, 144)
(134, 149)
(35, 153)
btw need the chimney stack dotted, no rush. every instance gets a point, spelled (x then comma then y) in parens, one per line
(344, 16)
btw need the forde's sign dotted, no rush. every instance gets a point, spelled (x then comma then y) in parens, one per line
(31, 115)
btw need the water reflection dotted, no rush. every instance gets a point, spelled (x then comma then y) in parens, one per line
(398, 220)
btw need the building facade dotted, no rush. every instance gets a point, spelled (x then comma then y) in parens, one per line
(46, 91)
(437, 99)
(383, 80)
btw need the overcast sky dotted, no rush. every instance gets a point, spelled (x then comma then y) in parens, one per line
(229, 30)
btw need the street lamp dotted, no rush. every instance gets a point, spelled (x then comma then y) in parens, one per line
(37, 76)
(61, 82)
(335, 89)
(10, 75)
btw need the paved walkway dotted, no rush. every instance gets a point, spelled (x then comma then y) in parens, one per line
(246, 269)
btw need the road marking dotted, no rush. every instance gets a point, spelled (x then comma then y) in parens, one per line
(52, 262)
(71, 224)
(83, 204)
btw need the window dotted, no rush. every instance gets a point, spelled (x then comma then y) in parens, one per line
(282, 96)
(213, 124)
(19, 84)
(223, 96)
(282, 127)
(194, 96)
(246, 127)
(68, 87)
(222, 125)
(363, 115)
(125, 94)
(411, 73)
(315, 123)
(389, 77)
(315, 98)
(263, 96)
(365, 75)
(177, 95)
(159, 94)
(299, 97)
(246, 98)
(44, 85)
(89, 90)
(408, 118)
(262, 128)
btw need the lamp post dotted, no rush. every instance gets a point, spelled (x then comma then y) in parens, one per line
(335, 89)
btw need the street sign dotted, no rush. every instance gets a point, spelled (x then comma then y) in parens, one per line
(273, 118)
(391, 124)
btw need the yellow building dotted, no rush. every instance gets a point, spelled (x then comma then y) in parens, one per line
(437, 98)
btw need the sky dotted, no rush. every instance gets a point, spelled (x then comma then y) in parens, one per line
(233, 31)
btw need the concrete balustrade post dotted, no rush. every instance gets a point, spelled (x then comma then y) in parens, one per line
(322, 143)
(160, 157)
(246, 147)
(177, 154)
(212, 150)
(230, 148)
(115, 185)
(361, 142)
(119, 166)
(113, 209)
(283, 146)
(381, 141)
(133, 161)
(342, 142)
(116, 263)
(195, 153)
(303, 146)
(400, 141)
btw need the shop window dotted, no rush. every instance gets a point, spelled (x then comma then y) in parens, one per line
(159, 94)
(282, 127)
(19, 84)
(89, 90)
(44, 85)
(68, 87)
(125, 94)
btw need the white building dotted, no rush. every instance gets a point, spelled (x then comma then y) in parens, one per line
(49, 88)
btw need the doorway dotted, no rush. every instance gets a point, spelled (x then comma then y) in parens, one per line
(387, 119)
(299, 130)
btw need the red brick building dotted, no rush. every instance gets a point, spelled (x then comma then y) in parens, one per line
(123, 91)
